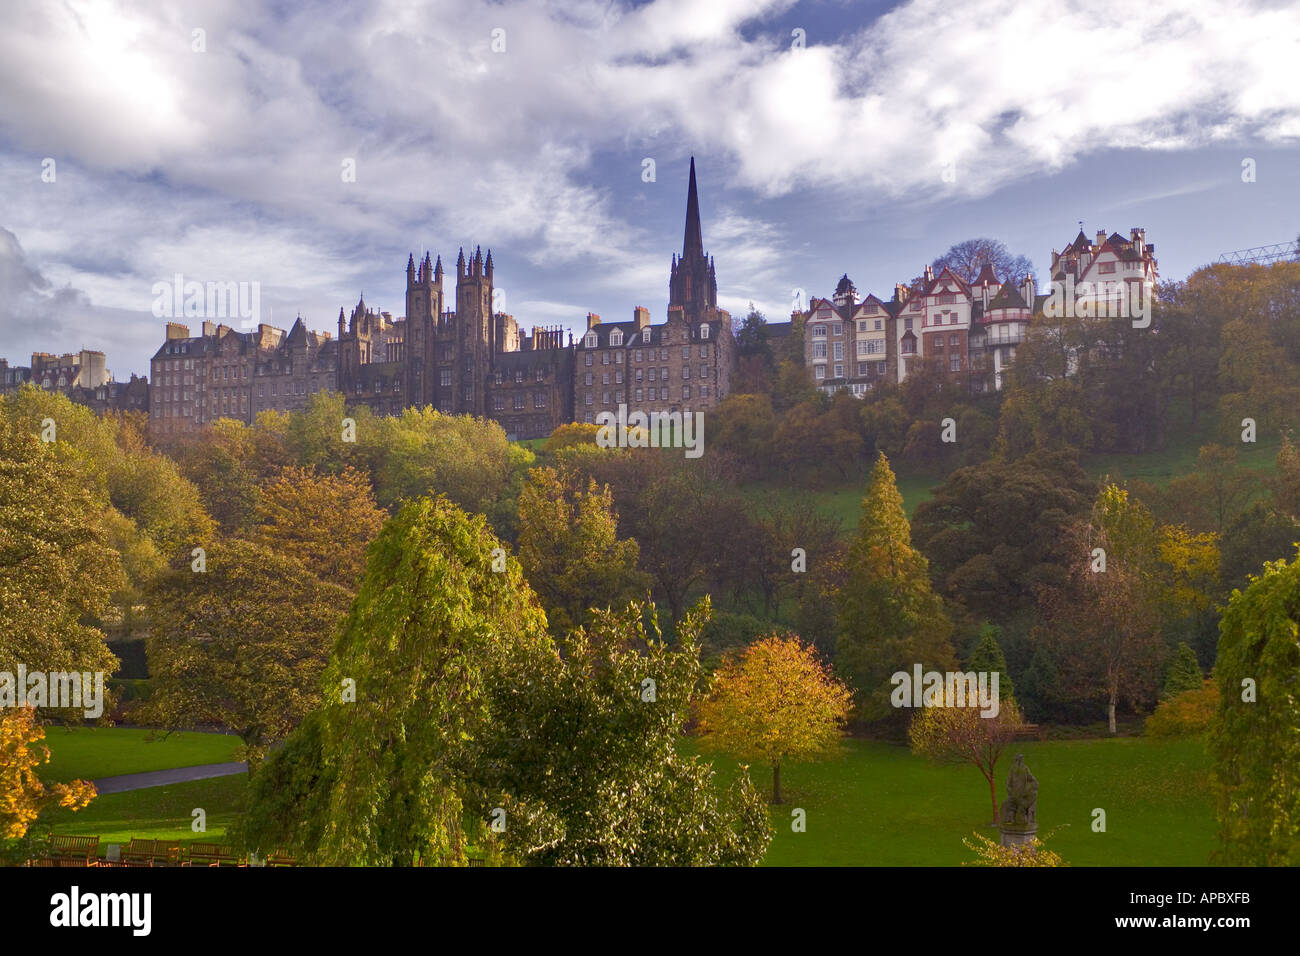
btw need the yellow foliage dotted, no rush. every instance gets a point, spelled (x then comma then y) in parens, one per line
(775, 701)
(988, 852)
(1185, 714)
(22, 794)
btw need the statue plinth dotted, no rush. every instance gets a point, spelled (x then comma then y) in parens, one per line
(1018, 835)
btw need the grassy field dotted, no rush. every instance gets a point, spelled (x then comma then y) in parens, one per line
(90, 752)
(878, 805)
(157, 812)
(875, 805)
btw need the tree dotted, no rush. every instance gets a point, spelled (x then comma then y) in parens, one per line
(954, 734)
(1184, 672)
(1107, 623)
(57, 573)
(1253, 740)
(570, 550)
(323, 521)
(994, 533)
(889, 619)
(1285, 486)
(585, 757)
(987, 658)
(465, 709)
(1213, 496)
(242, 644)
(431, 622)
(755, 362)
(775, 701)
(22, 794)
(968, 257)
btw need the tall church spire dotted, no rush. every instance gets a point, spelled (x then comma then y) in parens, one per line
(693, 243)
(692, 284)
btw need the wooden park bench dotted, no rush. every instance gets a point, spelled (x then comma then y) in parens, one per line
(211, 854)
(281, 857)
(73, 850)
(151, 853)
(1029, 732)
(138, 852)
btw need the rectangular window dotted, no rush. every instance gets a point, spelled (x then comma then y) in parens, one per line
(539, 400)
(638, 394)
(839, 350)
(954, 363)
(686, 372)
(819, 372)
(686, 392)
(519, 401)
(819, 350)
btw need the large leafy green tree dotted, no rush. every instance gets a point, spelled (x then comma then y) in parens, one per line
(242, 643)
(466, 715)
(58, 573)
(570, 549)
(325, 521)
(994, 532)
(889, 619)
(1255, 737)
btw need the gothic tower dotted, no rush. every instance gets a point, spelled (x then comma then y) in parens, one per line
(473, 330)
(692, 285)
(424, 305)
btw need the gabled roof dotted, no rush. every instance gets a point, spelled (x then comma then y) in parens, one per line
(1008, 297)
(962, 284)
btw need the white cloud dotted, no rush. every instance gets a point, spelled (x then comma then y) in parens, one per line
(232, 157)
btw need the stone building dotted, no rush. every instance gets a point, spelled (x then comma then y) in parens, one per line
(81, 376)
(471, 359)
(969, 328)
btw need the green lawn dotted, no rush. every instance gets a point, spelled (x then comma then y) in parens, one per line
(157, 812)
(880, 806)
(876, 805)
(89, 752)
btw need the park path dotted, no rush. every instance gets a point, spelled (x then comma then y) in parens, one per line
(157, 778)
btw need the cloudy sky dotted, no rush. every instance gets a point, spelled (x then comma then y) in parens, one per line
(212, 139)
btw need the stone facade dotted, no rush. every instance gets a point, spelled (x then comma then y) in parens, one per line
(470, 360)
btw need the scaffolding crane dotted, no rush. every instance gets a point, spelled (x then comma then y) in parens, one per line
(1277, 252)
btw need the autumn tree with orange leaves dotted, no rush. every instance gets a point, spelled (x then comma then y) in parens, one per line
(776, 701)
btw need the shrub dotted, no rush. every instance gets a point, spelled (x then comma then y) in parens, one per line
(1185, 714)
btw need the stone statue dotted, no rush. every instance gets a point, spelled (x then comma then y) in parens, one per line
(1021, 803)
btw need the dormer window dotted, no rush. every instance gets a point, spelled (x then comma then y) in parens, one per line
(616, 337)
(704, 331)
(590, 343)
